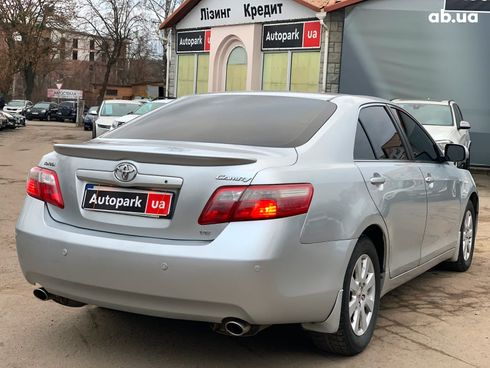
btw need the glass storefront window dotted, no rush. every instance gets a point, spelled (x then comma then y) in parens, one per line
(189, 80)
(186, 72)
(305, 71)
(202, 73)
(275, 73)
(295, 71)
(236, 70)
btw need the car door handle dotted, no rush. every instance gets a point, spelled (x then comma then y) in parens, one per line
(429, 179)
(377, 180)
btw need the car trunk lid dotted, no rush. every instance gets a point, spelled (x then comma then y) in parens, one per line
(189, 172)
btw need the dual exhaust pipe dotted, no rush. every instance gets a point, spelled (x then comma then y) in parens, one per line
(230, 326)
(44, 295)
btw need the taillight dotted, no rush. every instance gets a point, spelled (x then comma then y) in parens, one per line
(256, 202)
(43, 184)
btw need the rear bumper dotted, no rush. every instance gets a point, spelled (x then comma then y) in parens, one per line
(257, 272)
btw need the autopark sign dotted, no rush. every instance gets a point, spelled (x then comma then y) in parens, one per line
(299, 35)
(468, 5)
(194, 41)
(65, 94)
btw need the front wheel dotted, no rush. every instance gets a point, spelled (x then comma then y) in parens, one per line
(466, 241)
(360, 304)
(94, 132)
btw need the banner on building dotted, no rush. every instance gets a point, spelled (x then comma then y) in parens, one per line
(468, 5)
(194, 41)
(65, 94)
(290, 36)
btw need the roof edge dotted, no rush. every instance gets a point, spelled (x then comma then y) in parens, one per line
(188, 5)
(340, 5)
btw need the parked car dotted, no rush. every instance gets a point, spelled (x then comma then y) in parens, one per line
(14, 120)
(89, 118)
(67, 110)
(42, 111)
(248, 210)
(144, 109)
(3, 121)
(17, 106)
(109, 111)
(442, 119)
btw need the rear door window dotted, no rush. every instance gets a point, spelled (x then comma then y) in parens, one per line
(385, 139)
(362, 147)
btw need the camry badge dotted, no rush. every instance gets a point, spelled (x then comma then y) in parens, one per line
(125, 172)
(233, 178)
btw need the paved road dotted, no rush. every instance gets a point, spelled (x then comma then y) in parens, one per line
(441, 319)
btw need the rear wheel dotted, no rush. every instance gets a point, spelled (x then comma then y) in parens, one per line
(466, 241)
(360, 303)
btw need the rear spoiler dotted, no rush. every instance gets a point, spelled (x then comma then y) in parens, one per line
(148, 155)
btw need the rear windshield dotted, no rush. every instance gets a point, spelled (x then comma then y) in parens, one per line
(253, 120)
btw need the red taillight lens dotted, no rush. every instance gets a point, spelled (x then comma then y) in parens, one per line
(43, 184)
(256, 202)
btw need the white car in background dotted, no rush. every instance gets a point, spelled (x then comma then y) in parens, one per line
(109, 111)
(144, 109)
(442, 119)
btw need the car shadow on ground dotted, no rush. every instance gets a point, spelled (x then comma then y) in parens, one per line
(97, 331)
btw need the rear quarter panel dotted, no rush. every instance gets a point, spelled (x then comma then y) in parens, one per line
(341, 208)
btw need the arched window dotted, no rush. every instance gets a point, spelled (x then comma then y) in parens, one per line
(236, 70)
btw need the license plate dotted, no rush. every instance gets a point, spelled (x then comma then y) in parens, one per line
(128, 202)
(34, 113)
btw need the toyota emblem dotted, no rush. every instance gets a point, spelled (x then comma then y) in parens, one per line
(125, 172)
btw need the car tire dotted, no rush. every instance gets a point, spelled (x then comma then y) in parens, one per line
(346, 341)
(466, 241)
(94, 132)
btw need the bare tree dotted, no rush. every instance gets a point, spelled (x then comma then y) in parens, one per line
(113, 22)
(161, 10)
(25, 26)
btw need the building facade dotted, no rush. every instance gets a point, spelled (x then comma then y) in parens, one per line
(289, 45)
(409, 49)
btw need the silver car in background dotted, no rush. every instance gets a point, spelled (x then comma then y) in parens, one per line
(248, 210)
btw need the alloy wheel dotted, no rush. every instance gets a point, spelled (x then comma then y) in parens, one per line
(362, 295)
(467, 235)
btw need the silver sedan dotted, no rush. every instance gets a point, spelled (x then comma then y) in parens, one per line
(247, 210)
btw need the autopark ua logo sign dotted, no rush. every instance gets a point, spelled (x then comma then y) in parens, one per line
(460, 12)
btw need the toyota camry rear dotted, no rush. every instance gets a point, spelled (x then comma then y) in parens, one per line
(243, 210)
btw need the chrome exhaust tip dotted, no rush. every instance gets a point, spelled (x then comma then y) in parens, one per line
(44, 295)
(41, 294)
(237, 328)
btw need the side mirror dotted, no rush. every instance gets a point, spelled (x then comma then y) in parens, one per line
(456, 153)
(464, 125)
